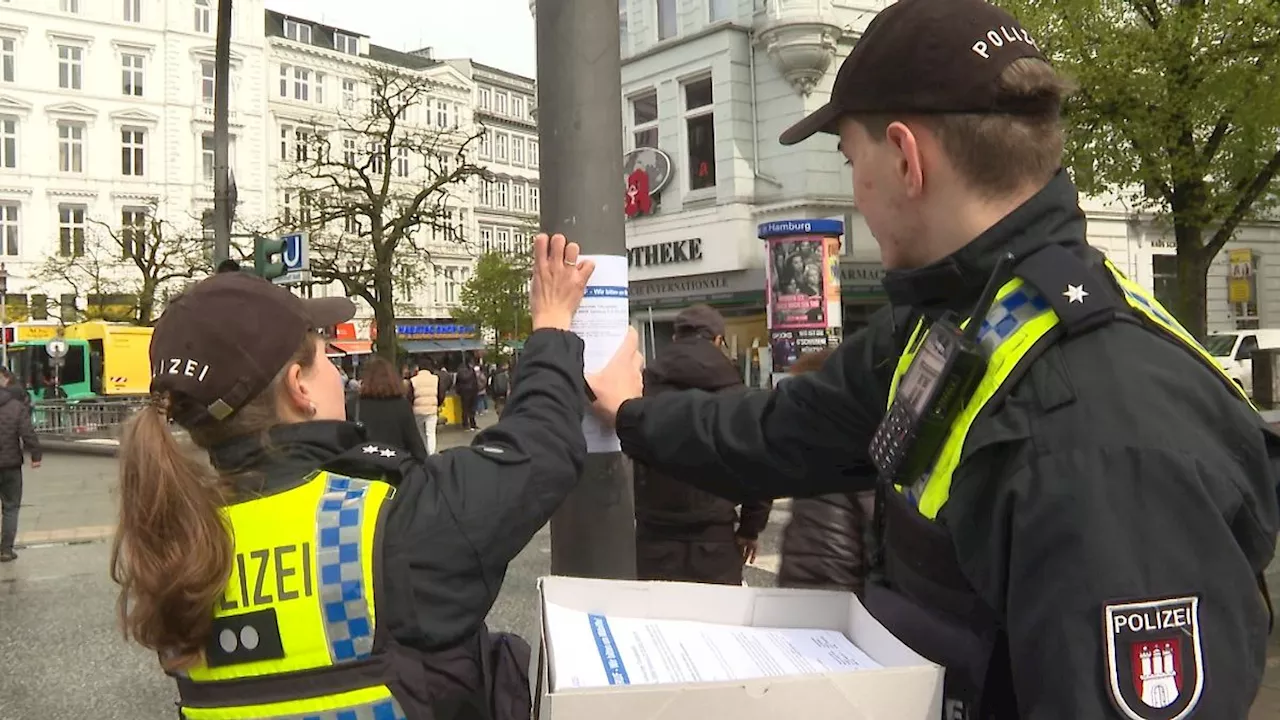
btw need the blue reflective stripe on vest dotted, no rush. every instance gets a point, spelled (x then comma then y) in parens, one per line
(1010, 313)
(345, 608)
(1006, 317)
(387, 709)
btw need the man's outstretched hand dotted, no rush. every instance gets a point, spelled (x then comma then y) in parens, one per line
(619, 381)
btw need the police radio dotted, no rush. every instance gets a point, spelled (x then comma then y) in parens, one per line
(942, 377)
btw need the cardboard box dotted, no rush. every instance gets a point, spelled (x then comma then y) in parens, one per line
(907, 687)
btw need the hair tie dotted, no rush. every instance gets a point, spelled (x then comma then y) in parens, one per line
(162, 403)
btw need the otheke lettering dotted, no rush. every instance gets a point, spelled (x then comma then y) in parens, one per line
(1155, 619)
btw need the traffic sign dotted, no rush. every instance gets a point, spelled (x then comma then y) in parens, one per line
(296, 259)
(57, 348)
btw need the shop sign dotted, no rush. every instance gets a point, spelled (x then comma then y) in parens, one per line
(434, 331)
(665, 253)
(698, 288)
(645, 172)
(861, 278)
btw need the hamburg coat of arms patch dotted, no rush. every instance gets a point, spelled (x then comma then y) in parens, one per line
(1154, 661)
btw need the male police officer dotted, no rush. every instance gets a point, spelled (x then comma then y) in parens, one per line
(1087, 539)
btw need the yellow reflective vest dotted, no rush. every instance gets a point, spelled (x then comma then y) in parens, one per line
(1018, 319)
(293, 635)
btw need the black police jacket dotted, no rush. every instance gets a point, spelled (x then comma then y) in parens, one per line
(457, 520)
(1119, 469)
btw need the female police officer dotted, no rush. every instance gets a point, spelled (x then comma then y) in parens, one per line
(308, 572)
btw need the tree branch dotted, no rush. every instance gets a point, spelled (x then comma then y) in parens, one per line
(1251, 192)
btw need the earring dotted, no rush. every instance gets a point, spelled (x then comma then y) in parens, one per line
(312, 409)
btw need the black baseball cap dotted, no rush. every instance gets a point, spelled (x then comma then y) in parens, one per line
(700, 320)
(221, 343)
(925, 57)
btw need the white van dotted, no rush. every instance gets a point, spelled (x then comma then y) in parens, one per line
(1233, 351)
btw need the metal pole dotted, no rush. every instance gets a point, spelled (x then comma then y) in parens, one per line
(580, 130)
(222, 136)
(4, 329)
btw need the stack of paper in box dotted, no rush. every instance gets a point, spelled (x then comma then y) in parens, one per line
(677, 651)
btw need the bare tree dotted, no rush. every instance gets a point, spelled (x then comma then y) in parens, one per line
(126, 269)
(374, 188)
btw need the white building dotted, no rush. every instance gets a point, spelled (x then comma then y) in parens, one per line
(106, 110)
(507, 206)
(712, 83)
(318, 81)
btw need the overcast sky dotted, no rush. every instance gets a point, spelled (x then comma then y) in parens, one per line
(494, 32)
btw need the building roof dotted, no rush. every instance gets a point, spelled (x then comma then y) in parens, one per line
(400, 59)
(500, 71)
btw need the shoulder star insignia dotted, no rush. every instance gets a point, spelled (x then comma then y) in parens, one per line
(370, 449)
(387, 453)
(1075, 293)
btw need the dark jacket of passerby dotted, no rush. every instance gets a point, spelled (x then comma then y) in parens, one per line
(17, 434)
(500, 383)
(683, 533)
(825, 545)
(445, 385)
(384, 410)
(466, 383)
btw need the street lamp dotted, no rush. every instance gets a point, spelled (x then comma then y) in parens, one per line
(4, 316)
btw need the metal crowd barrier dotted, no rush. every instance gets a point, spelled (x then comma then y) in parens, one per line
(83, 419)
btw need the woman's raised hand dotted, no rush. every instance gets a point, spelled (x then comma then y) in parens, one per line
(559, 280)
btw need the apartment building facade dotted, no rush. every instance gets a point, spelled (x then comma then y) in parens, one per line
(106, 118)
(321, 83)
(507, 204)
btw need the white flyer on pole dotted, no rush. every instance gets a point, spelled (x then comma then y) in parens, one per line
(602, 322)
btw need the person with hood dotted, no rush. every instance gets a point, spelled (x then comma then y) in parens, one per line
(682, 533)
(17, 435)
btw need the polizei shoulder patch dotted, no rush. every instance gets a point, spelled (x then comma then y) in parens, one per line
(1154, 660)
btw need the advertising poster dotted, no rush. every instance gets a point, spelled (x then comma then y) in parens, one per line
(602, 321)
(1240, 276)
(831, 281)
(802, 288)
(797, 266)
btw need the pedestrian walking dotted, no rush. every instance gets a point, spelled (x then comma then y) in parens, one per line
(682, 533)
(17, 438)
(482, 392)
(306, 571)
(1076, 505)
(500, 387)
(385, 410)
(426, 406)
(467, 384)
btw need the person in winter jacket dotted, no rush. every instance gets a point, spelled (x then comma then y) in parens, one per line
(500, 387)
(825, 545)
(16, 437)
(426, 404)
(384, 409)
(682, 533)
(467, 384)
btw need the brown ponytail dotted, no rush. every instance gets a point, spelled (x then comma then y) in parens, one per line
(173, 550)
